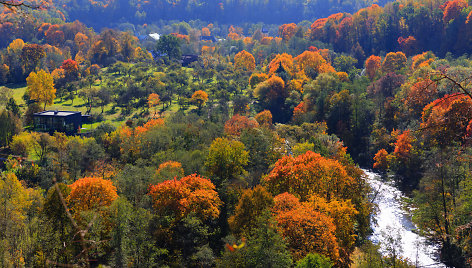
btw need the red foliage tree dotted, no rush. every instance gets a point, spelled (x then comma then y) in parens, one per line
(403, 145)
(71, 69)
(408, 45)
(372, 66)
(237, 124)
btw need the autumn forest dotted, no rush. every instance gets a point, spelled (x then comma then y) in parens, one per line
(232, 133)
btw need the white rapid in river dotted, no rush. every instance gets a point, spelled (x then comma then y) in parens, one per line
(393, 227)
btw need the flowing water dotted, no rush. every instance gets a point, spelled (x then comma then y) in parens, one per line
(393, 228)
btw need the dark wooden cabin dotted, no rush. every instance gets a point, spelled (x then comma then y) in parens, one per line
(68, 122)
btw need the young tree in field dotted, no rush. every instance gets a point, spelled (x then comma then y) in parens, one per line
(153, 102)
(200, 97)
(244, 61)
(40, 87)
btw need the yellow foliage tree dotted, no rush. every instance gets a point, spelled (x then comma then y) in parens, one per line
(40, 87)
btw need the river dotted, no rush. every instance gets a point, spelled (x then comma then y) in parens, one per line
(393, 228)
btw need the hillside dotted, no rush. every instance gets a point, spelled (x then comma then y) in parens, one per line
(227, 142)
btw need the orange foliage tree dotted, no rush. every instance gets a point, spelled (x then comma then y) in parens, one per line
(285, 60)
(191, 194)
(381, 160)
(153, 101)
(71, 69)
(206, 31)
(422, 60)
(271, 89)
(408, 45)
(233, 36)
(344, 215)
(372, 66)
(317, 28)
(244, 61)
(446, 119)
(90, 194)
(312, 63)
(305, 229)
(287, 31)
(31, 55)
(309, 174)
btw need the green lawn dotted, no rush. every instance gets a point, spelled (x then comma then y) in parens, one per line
(111, 116)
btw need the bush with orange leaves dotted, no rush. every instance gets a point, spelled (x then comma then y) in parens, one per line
(91, 193)
(237, 124)
(191, 194)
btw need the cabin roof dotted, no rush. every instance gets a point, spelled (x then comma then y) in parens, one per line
(56, 113)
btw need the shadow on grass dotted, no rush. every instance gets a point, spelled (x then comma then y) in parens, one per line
(16, 86)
